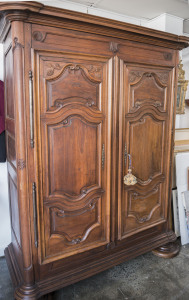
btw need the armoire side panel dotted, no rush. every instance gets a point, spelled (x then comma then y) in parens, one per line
(11, 147)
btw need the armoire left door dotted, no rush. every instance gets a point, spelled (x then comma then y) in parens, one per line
(72, 125)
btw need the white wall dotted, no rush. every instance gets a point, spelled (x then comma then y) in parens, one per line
(5, 235)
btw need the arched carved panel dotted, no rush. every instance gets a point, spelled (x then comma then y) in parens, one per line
(146, 144)
(75, 143)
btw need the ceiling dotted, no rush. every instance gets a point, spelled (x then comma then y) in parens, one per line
(139, 8)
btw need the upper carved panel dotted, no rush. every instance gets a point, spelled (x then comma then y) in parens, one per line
(148, 88)
(72, 83)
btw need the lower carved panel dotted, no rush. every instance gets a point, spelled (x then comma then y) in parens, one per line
(74, 229)
(84, 220)
(141, 209)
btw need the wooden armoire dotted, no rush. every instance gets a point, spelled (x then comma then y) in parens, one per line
(87, 99)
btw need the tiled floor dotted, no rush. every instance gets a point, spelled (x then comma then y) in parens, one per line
(146, 277)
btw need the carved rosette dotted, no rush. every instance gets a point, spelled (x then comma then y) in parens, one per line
(39, 36)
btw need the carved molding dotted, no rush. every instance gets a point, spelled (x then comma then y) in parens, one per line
(141, 102)
(17, 45)
(134, 75)
(21, 164)
(158, 175)
(52, 67)
(60, 103)
(137, 195)
(94, 71)
(164, 77)
(63, 214)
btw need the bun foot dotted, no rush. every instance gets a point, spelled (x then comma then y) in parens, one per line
(169, 250)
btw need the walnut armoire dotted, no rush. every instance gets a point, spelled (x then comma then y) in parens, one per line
(83, 94)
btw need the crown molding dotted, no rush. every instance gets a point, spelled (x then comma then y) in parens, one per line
(36, 12)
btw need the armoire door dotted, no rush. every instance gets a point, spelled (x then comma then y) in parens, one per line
(73, 120)
(145, 122)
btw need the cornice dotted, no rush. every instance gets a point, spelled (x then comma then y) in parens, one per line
(38, 13)
(30, 5)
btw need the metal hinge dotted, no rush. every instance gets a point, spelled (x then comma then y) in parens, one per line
(125, 155)
(35, 213)
(31, 109)
(103, 156)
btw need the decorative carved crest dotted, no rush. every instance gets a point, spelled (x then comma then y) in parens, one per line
(93, 70)
(163, 77)
(74, 67)
(114, 47)
(167, 55)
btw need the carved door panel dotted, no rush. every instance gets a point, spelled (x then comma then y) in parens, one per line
(74, 142)
(145, 118)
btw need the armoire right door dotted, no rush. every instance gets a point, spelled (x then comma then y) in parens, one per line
(145, 132)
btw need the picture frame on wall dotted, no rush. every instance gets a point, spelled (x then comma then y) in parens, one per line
(181, 89)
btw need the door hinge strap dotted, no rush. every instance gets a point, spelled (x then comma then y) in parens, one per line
(35, 213)
(125, 155)
(103, 156)
(31, 109)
